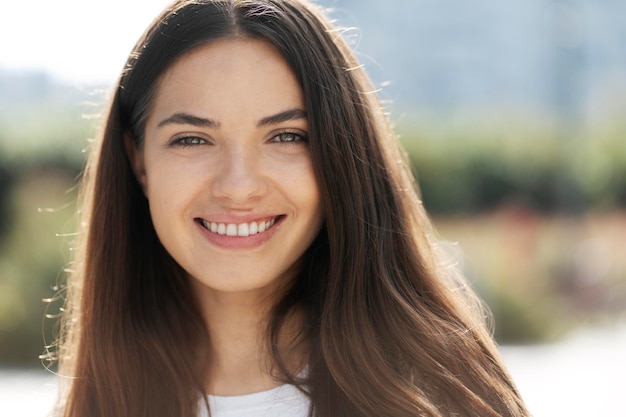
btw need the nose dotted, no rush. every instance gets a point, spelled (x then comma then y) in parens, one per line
(239, 178)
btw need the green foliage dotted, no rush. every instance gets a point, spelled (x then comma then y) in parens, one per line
(599, 167)
(5, 183)
(470, 170)
(517, 320)
(467, 171)
(32, 257)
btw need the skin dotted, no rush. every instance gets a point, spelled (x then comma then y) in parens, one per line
(226, 142)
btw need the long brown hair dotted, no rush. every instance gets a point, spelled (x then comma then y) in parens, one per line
(390, 329)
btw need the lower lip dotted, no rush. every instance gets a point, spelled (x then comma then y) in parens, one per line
(240, 242)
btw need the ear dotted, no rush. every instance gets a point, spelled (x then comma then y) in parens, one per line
(136, 159)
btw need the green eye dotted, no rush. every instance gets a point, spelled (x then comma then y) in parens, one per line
(186, 141)
(289, 137)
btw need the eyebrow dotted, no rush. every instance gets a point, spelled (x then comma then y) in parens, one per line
(284, 116)
(190, 119)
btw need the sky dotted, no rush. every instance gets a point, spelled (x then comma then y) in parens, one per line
(78, 41)
(83, 42)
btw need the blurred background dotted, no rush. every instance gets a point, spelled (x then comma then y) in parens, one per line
(514, 117)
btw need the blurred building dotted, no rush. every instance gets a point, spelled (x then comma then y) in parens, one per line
(449, 55)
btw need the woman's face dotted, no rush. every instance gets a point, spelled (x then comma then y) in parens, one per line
(227, 169)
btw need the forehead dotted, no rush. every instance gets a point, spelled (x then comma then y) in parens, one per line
(250, 75)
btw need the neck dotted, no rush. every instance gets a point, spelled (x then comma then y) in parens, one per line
(237, 324)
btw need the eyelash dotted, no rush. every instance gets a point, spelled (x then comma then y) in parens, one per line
(190, 141)
(183, 141)
(297, 138)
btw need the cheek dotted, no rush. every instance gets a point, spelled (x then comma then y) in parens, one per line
(168, 177)
(167, 193)
(163, 206)
(312, 198)
(309, 186)
(305, 188)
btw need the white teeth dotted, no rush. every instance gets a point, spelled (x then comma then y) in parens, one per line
(240, 229)
(243, 230)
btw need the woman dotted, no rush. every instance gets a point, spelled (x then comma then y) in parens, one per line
(252, 238)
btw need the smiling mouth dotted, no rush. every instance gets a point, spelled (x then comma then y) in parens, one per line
(239, 229)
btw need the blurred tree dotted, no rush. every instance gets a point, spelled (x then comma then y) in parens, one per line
(6, 178)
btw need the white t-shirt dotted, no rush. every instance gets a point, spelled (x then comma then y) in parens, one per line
(283, 401)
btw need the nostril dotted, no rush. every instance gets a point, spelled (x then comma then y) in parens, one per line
(239, 185)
